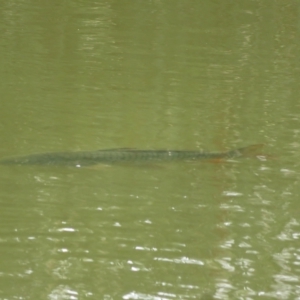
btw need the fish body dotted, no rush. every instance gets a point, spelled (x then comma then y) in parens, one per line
(123, 155)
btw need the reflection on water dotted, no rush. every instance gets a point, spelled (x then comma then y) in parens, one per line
(178, 222)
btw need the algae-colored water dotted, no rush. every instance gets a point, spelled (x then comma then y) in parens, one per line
(173, 74)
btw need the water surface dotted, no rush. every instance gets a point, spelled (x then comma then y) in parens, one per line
(150, 75)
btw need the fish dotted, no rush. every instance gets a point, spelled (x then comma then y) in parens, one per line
(126, 155)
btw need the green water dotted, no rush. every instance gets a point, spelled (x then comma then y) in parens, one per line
(185, 75)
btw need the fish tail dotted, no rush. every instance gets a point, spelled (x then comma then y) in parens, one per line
(249, 151)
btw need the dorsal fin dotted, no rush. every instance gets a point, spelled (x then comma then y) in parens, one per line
(117, 149)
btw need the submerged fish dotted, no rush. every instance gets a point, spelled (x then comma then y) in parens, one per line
(110, 156)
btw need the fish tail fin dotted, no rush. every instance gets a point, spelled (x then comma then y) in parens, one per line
(249, 151)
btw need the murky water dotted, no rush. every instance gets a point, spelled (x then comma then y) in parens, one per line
(150, 75)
